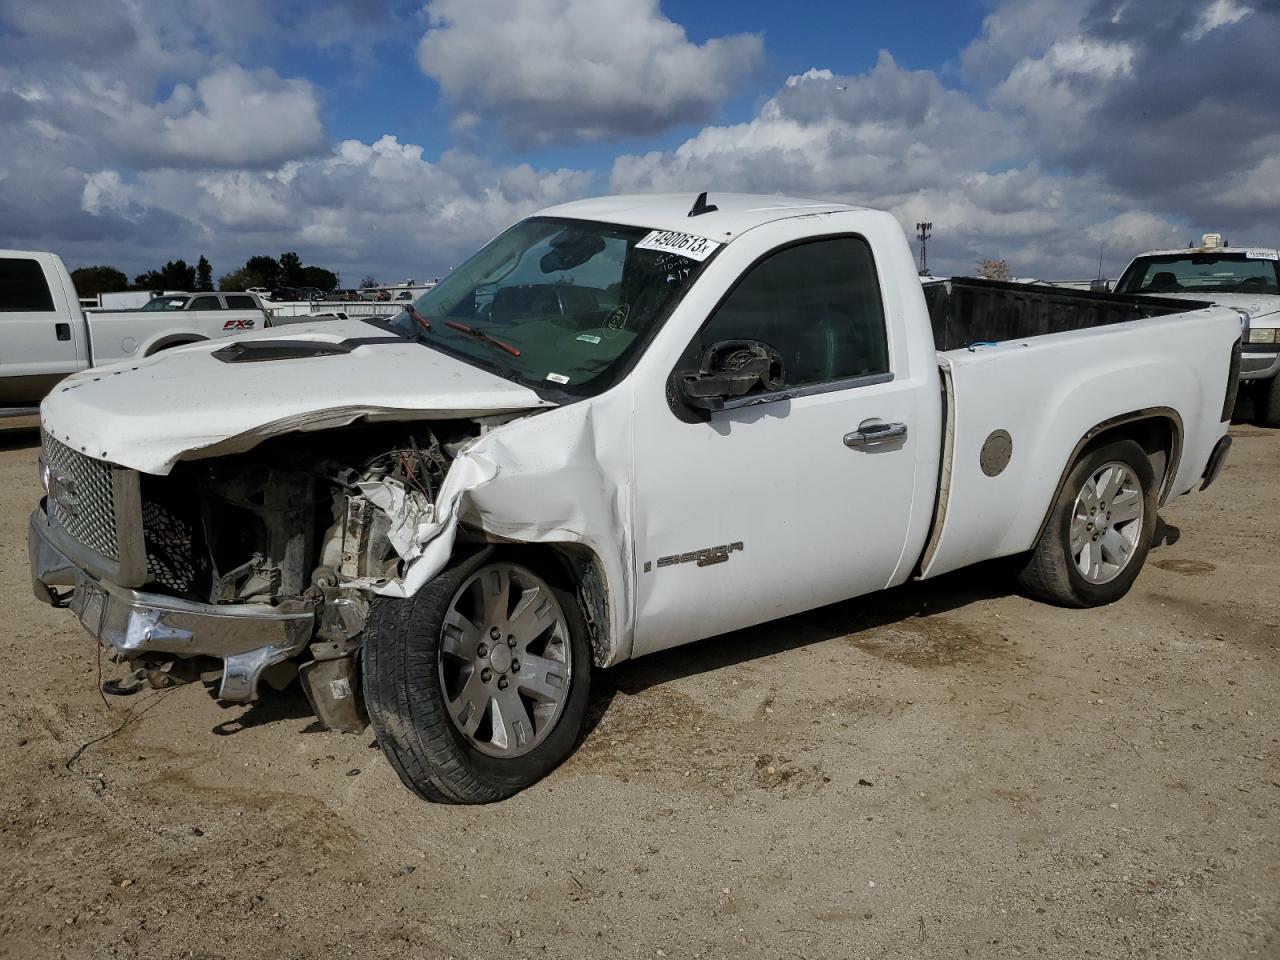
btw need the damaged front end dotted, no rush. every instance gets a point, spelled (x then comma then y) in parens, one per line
(258, 564)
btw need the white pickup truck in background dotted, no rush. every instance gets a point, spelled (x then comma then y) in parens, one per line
(1244, 278)
(45, 335)
(624, 425)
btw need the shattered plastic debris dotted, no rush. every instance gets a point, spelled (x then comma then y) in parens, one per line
(410, 512)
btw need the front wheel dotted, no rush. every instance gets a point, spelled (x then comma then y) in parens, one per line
(1099, 530)
(477, 685)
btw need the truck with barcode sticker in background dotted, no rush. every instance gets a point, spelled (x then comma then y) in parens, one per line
(1247, 279)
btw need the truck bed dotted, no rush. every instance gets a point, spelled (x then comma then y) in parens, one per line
(966, 310)
(1039, 376)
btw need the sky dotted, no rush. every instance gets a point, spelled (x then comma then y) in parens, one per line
(384, 138)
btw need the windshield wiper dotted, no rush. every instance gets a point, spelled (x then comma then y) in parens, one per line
(418, 318)
(481, 335)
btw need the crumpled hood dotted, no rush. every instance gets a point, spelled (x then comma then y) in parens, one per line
(185, 403)
(1257, 305)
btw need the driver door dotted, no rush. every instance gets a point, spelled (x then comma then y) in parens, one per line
(781, 501)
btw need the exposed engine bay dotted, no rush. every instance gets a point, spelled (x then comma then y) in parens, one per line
(299, 518)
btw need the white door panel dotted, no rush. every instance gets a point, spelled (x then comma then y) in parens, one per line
(803, 518)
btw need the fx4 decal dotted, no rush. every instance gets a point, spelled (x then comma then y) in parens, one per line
(238, 325)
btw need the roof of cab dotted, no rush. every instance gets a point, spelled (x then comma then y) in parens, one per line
(736, 213)
(1249, 253)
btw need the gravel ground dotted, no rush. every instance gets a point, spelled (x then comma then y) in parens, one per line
(947, 770)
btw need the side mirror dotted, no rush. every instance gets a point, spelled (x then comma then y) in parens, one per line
(730, 369)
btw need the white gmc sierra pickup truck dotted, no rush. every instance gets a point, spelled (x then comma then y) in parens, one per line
(44, 334)
(1244, 278)
(625, 424)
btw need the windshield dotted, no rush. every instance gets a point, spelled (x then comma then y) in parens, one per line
(165, 303)
(566, 305)
(1200, 273)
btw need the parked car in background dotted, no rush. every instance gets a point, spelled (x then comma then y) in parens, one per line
(285, 294)
(204, 302)
(1244, 278)
(45, 335)
(310, 293)
(259, 291)
(624, 425)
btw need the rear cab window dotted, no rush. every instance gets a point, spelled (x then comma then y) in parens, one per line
(23, 287)
(241, 302)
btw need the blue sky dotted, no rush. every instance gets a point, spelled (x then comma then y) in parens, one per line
(380, 94)
(392, 138)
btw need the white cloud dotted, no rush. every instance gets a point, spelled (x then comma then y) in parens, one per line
(359, 207)
(544, 70)
(230, 117)
(1220, 13)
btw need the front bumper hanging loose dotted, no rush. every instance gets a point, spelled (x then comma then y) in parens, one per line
(130, 624)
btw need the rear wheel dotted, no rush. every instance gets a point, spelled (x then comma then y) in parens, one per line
(1099, 531)
(477, 685)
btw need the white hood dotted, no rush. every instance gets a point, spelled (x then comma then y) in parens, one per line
(185, 403)
(1255, 304)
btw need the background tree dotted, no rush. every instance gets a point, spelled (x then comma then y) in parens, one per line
(290, 270)
(369, 280)
(91, 281)
(174, 275)
(994, 270)
(236, 280)
(204, 274)
(326, 280)
(265, 270)
(268, 272)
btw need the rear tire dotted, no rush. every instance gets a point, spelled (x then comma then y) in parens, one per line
(477, 685)
(1093, 545)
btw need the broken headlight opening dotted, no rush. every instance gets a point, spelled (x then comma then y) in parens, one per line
(301, 519)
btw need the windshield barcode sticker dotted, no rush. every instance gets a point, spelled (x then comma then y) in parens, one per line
(557, 378)
(1261, 254)
(685, 244)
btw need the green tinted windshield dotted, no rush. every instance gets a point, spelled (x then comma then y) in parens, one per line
(1199, 273)
(570, 303)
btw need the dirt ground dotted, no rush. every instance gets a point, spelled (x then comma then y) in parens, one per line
(948, 770)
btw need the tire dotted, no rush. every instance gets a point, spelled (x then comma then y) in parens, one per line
(1054, 572)
(427, 674)
(1267, 403)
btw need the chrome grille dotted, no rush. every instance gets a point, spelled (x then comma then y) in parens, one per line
(82, 497)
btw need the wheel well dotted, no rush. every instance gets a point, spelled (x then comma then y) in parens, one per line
(1158, 431)
(573, 567)
(1157, 435)
(177, 340)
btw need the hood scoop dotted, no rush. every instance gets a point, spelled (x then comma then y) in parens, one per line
(257, 351)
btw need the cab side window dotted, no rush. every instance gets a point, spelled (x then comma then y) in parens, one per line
(240, 302)
(818, 304)
(23, 288)
(205, 303)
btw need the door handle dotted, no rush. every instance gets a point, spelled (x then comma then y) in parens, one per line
(62, 331)
(871, 433)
